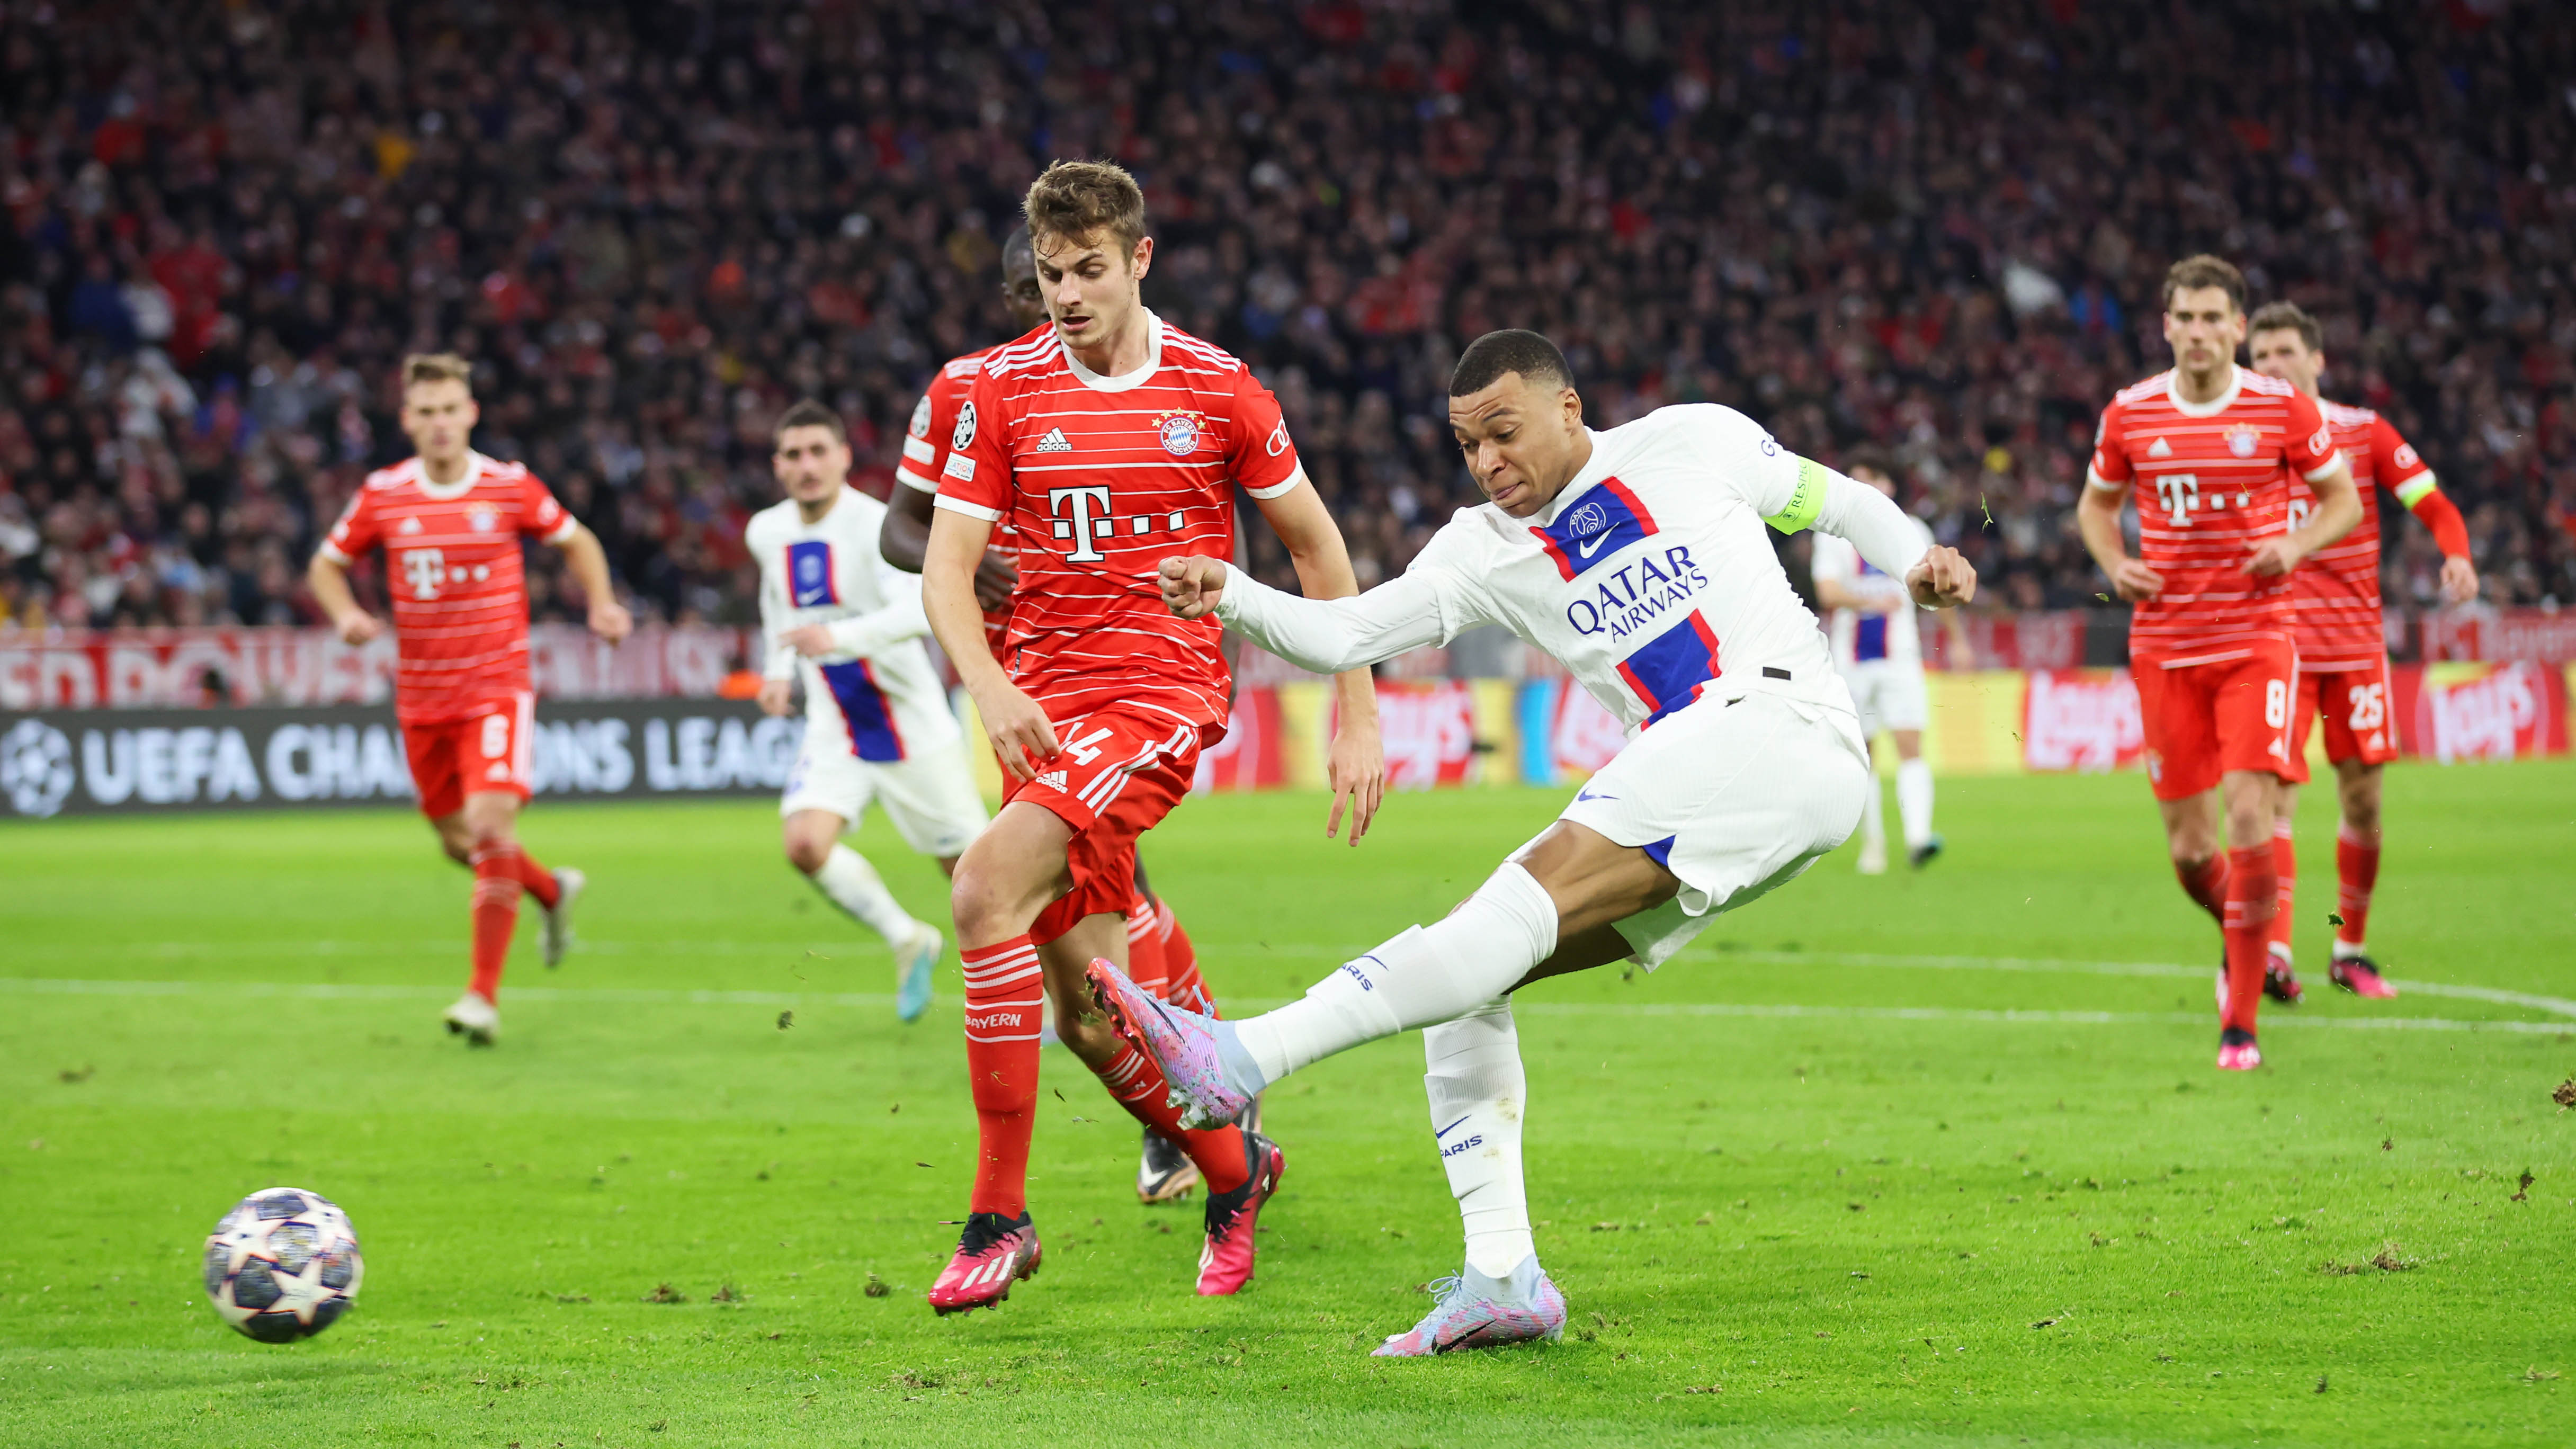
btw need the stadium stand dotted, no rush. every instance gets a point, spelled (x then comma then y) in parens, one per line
(1938, 227)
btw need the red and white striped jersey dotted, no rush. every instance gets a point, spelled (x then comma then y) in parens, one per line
(934, 422)
(2337, 588)
(452, 568)
(2210, 480)
(1101, 479)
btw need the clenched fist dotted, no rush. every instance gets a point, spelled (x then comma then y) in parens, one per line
(1944, 579)
(1192, 586)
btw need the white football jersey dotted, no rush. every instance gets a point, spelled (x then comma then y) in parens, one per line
(879, 691)
(1860, 638)
(1649, 576)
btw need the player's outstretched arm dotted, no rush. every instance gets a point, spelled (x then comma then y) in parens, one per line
(331, 590)
(589, 563)
(1327, 636)
(1355, 767)
(1013, 722)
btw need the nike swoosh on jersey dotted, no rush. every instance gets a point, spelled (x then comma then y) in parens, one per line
(1588, 549)
(1582, 795)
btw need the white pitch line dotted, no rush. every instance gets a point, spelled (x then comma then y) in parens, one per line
(647, 996)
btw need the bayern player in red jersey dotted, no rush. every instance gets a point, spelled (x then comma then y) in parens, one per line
(1160, 956)
(2209, 450)
(2343, 655)
(1108, 440)
(449, 521)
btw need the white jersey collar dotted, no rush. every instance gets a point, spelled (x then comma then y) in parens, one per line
(2227, 399)
(1125, 381)
(475, 463)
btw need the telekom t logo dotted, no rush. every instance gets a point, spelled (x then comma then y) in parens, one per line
(424, 568)
(2180, 494)
(1090, 521)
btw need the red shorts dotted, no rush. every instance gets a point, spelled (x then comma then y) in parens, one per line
(2358, 724)
(1119, 774)
(493, 750)
(2203, 720)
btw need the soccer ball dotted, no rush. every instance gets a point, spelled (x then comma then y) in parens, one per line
(283, 1265)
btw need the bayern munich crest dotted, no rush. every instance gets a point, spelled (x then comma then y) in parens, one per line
(2242, 441)
(1179, 433)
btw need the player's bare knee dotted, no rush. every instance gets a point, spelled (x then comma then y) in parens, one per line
(807, 854)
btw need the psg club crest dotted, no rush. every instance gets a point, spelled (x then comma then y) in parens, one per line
(2242, 441)
(481, 517)
(1588, 520)
(1179, 433)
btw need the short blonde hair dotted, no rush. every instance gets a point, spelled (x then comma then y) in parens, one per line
(421, 367)
(1078, 200)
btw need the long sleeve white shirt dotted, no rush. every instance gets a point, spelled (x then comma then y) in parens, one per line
(876, 691)
(1648, 577)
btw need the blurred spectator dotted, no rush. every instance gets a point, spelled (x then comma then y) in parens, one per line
(1935, 226)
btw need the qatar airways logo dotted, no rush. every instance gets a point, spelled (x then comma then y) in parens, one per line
(1636, 594)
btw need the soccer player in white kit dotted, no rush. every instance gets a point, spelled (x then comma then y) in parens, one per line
(1880, 653)
(1636, 558)
(878, 727)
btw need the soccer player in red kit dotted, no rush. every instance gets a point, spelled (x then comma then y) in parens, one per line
(1160, 957)
(1109, 441)
(449, 521)
(2209, 450)
(2343, 655)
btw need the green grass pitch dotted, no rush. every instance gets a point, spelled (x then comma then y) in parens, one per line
(1934, 1159)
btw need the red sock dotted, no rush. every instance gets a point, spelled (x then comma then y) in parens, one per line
(2356, 872)
(1138, 1084)
(2205, 882)
(496, 917)
(2285, 868)
(539, 880)
(1181, 965)
(1004, 987)
(2252, 898)
(1145, 964)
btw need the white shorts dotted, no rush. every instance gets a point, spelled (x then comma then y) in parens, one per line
(1734, 798)
(1889, 695)
(931, 798)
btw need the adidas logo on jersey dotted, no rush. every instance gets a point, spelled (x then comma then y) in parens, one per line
(2160, 449)
(1054, 442)
(409, 525)
(1052, 779)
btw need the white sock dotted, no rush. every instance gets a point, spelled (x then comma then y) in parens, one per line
(2346, 950)
(1427, 975)
(1472, 1075)
(1873, 819)
(855, 887)
(1914, 799)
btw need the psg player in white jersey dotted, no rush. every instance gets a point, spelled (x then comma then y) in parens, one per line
(1879, 649)
(1636, 558)
(835, 615)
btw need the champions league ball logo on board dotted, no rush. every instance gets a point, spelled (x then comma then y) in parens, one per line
(36, 768)
(1179, 433)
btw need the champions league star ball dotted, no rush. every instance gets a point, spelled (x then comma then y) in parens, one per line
(283, 1265)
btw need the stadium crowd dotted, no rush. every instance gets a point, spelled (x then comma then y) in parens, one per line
(1933, 226)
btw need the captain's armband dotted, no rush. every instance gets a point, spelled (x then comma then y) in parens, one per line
(1806, 502)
